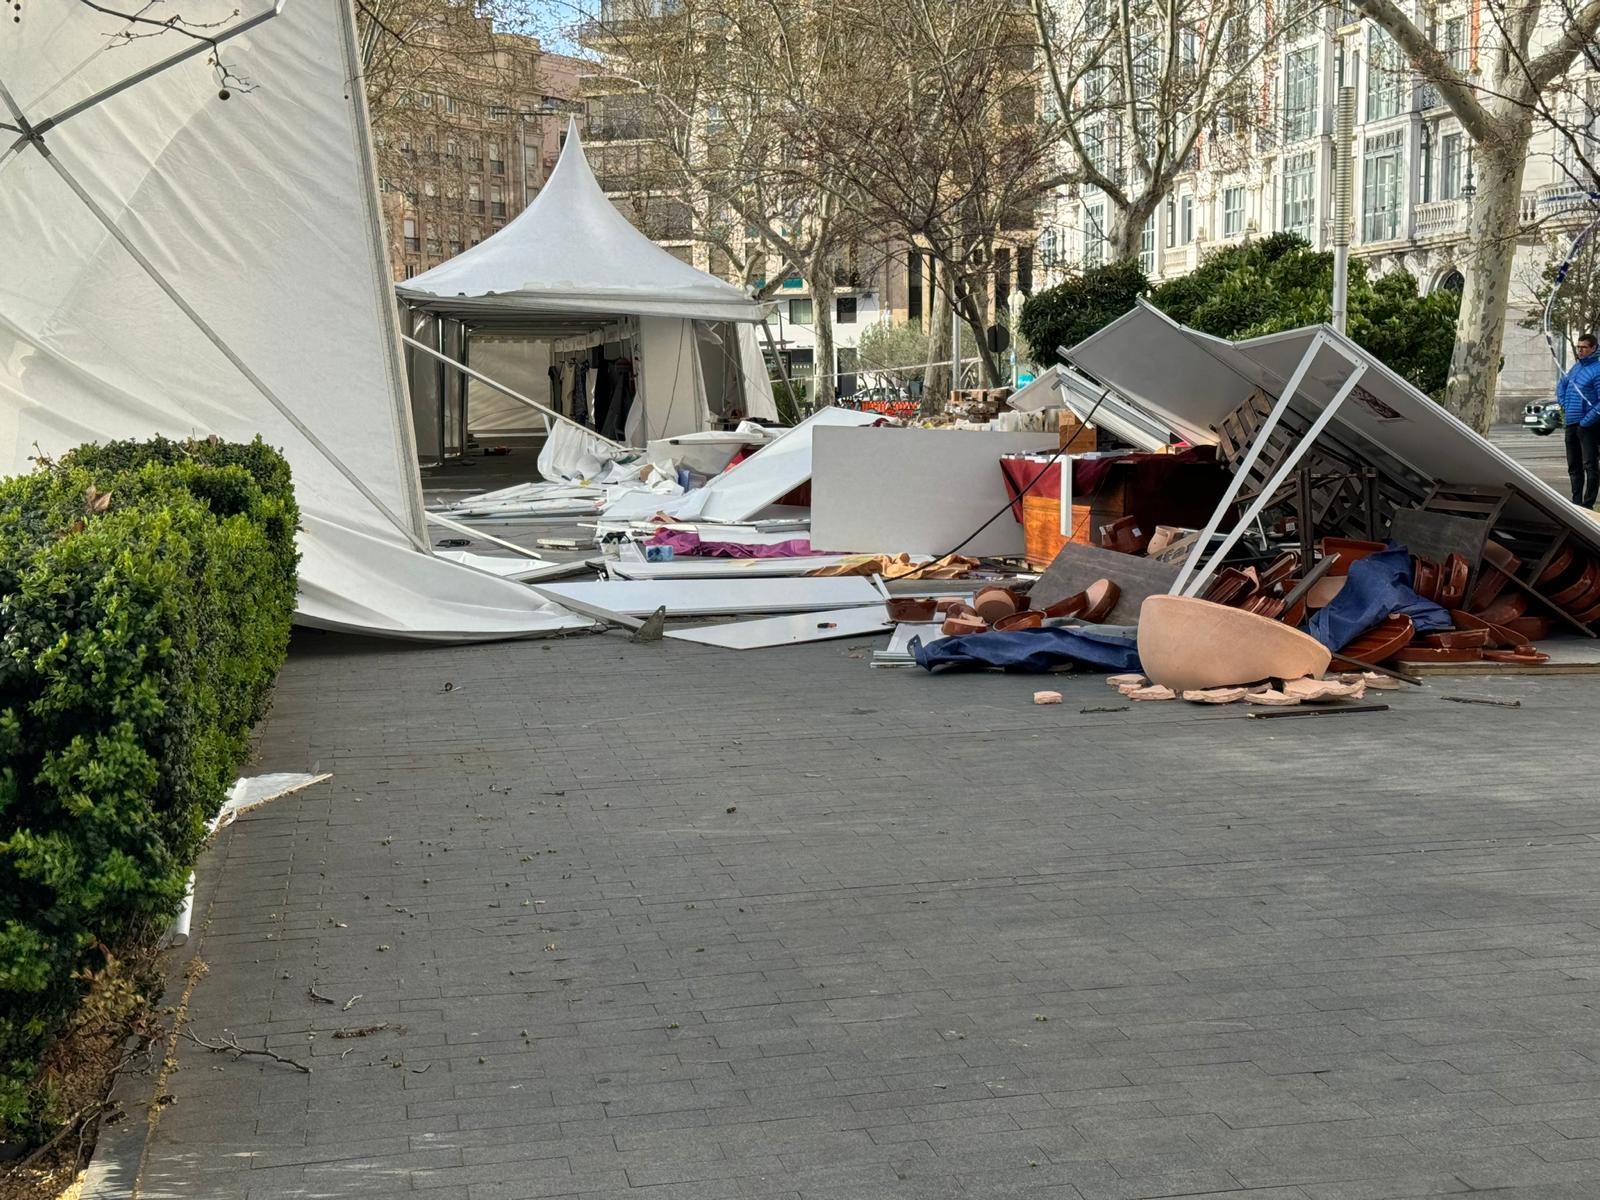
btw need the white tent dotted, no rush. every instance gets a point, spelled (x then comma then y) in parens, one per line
(177, 262)
(568, 275)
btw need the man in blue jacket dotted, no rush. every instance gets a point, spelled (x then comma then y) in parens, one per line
(1579, 396)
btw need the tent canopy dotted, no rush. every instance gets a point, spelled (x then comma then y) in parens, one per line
(570, 252)
(179, 265)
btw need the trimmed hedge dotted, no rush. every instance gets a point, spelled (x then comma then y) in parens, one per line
(146, 593)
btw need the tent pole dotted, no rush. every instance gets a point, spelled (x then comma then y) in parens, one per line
(443, 380)
(1291, 460)
(458, 527)
(463, 336)
(518, 396)
(215, 338)
(777, 361)
(1278, 409)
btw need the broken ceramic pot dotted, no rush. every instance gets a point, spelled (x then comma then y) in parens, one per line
(1192, 644)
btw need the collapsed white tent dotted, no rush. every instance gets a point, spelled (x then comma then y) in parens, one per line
(173, 262)
(570, 280)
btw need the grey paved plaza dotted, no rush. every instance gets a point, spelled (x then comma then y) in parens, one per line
(664, 921)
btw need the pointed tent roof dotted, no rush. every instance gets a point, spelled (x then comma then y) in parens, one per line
(572, 251)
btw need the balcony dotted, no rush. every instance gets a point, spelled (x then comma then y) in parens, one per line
(1563, 200)
(1440, 218)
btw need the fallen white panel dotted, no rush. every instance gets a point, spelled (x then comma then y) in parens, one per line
(775, 470)
(790, 630)
(717, 597)
(519, 569)
(726, 568)
(915, 491)
(1062, 387)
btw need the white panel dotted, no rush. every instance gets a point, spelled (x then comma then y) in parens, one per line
(790, 630)
(771, 472)
(519, 363)
(759, 403)
(915, 491)
(719, 597)
(671, 388)
(260, 213)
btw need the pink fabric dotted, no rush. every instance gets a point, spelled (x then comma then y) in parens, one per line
(688, 545)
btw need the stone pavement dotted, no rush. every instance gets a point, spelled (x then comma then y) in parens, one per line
(673, 923)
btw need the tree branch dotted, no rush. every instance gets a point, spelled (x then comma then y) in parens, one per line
(1433, 65)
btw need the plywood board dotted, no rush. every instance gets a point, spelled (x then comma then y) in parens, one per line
(717, 597)
(915, 491)
(790, 630)
(1077, 566)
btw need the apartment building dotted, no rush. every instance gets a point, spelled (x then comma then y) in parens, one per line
(1413, 177)
(466, 146)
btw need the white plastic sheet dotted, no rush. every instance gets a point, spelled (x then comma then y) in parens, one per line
(260, 217)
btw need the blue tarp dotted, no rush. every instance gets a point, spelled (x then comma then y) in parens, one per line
(1033, 651)
(1378, 587)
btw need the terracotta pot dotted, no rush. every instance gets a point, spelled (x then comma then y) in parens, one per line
(949, 604)
(1230, 586)
(1556, 567)
(1100, 597)
(1589, 615)
(1458, 639)
(1379, 642)
(1529, 657)
(1123, 535)
(992, 603)
(910, 608)
(1530, 629)
(1295, 616)
(1070, 607)
(1189, 644)
(1432, 654)
(1507, 608)
(1490, 581)
(1573, 594)
(1281, 568)
(1324, 590)
(1028, 618)
(1453, 581)
(1348, 550)
(1264, 606)
(961, 624)
(1425, 578)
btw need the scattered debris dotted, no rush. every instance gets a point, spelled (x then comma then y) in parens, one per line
(1047, 697)
(1483, 700)
(230, 1045)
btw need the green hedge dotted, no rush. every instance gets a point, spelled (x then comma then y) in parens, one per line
(146, 592)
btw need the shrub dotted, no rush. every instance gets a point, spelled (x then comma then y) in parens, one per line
(1066, 314)
(146, 592)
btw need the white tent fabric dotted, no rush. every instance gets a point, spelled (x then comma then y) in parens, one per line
(1195, 380)
(172, 263)
(572, 251)
(507, 359)
(760, 403)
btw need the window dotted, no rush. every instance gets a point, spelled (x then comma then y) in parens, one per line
(1451, 158)
(451, 105)
(1002, 277)
(1094, 235)
(1186, 219)
(452, 149)
(800, 311)
(423, 99)
(1380, 186)
(1300, 94)
(1147, 246)
(1232, 211)
(474, 196)
(430, 189)
(844, 310)
(1456, 51)
(497, 201)
(1386, 75)
(476, 234)
(433, 247)
(429, 144)
(1300, 193)
(1025, 270)
(914, 285)
(410, 234)
(497, 162)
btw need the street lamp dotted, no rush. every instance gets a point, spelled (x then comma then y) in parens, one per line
(1469, 189)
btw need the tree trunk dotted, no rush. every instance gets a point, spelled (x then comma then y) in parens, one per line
(972, 317)
(1126, 236)
(824, 384)
(936, 388)
(1471, 392)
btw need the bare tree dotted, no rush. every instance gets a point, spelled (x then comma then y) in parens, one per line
(1138, 87)
(1500, 96)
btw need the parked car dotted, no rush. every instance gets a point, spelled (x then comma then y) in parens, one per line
(1542, 418)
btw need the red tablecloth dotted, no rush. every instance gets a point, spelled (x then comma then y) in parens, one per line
(1162, 489)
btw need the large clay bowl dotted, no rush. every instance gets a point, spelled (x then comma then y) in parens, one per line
(1378, 643)
(1531, 629)
(1069, 607)
(1492, 582)
(1425, 578)
(1499, 635)
(1557, 566)
(1323, 591)
(1453, 581)
(1028, 618)
(1188, 644)
(994, 603)
(1505, 609)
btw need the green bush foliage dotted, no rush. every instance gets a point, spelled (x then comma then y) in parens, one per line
(146, 593)
(1266, 286)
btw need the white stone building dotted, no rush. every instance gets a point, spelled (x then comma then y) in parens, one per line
(1413, 178)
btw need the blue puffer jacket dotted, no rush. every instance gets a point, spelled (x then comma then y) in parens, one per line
(1579, 392)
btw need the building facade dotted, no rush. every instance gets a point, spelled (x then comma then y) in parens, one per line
(466, 146)
(1413, 177)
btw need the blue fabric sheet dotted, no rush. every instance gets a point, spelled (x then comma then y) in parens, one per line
(1033, 651)
(1378, 587)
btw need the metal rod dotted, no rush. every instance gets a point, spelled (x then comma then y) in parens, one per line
(442, 380)
(458, 527)
(1256, 446)
(1289, 463)
(518, 396)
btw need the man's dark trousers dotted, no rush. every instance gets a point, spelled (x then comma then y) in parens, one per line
(1583, 463)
